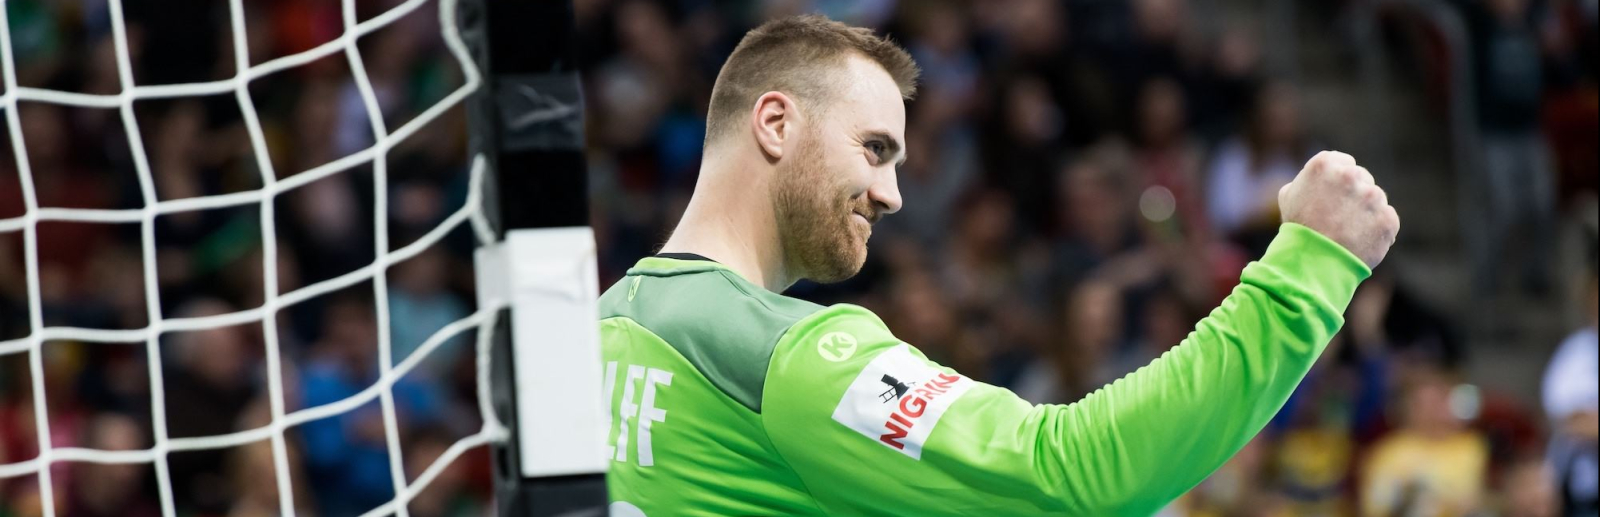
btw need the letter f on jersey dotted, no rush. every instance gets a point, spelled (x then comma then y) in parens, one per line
(644, 414)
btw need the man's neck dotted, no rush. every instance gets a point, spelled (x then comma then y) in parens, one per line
(730, 220)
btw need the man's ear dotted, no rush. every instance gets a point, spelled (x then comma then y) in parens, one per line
(772, 121)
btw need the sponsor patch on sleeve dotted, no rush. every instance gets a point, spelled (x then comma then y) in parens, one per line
(897, 400)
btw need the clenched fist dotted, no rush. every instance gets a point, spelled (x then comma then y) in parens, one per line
(1339, 200)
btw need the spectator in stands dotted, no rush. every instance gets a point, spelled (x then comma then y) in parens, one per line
(177, 145)
(68, 420)
(1316, 449)
(1570, 116)
(1248, 169)
(1167, 157)
(1030, 31)
(1572, 402)
(1239, 487)
(310, 135)
(1165, 318)
(327, 221)
(982, 274)
(941, 44)
(980, 269)
(1022, 151)
(1235, 69)
(1346, 389)
(62, 179)
(419, 305)
(111, 489)
(1433, 465)
(1516, 189)
(347, 454)
(389, 73)
(116, 273)
(1530, 490)
(253, 472)
(1164, 43)
(938, 177)
(1094, 212)
(636, 88)
(254, 481)
(919, 305)
(1081, 360)
(207, 388)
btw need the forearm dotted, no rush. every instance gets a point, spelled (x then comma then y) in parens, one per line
(1145, 439)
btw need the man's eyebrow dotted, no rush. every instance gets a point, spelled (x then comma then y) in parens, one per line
(892, 146)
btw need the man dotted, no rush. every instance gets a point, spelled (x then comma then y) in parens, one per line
(727, 398)
(1572, 401)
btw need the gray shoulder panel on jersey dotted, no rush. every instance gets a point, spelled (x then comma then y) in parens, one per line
(724, 325)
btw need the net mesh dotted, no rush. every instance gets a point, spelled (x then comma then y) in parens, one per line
(374, 156)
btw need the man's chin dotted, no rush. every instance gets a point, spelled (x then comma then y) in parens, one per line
(846, 266)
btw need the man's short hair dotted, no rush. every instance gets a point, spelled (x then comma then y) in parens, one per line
(790, 55)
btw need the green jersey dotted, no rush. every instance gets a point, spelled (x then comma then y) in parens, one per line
(728, 399)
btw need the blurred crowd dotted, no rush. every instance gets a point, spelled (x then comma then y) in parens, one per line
(1086, 179)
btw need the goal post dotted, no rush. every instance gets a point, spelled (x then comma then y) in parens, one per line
(527, 121)
(537, 351)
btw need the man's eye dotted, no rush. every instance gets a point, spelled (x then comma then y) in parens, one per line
(877, 148)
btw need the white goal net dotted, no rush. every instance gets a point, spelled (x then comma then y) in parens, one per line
(283, 418)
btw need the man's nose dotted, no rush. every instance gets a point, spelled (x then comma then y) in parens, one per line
(885, 194)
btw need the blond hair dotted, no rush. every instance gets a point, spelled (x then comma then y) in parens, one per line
(789, 55)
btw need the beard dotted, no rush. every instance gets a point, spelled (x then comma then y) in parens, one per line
(821, 240)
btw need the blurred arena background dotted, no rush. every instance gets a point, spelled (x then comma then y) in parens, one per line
(1086, 177)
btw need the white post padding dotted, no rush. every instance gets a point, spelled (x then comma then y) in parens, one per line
(549, 278)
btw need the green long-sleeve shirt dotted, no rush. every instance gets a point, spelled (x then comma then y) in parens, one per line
(728, 399)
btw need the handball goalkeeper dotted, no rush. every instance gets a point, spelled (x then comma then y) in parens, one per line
(727, 398)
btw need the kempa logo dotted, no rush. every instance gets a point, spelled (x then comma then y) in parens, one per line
(837, 346)
(883, 405)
